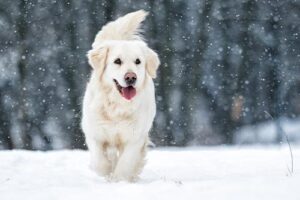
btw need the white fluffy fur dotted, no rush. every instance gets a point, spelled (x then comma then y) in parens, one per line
(116, 129)
(125, 28)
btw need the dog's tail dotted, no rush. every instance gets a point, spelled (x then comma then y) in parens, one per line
(124, 28)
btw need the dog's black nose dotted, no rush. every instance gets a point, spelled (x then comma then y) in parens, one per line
(130, 78)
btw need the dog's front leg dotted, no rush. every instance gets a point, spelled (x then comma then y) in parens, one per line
(130, 162)
(98, 160)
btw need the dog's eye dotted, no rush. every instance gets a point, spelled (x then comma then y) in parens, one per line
(137, 61)
(118, 61)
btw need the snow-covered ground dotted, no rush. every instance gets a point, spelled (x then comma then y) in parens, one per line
(171, 173)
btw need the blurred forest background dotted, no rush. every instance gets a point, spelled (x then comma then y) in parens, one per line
(230, 70)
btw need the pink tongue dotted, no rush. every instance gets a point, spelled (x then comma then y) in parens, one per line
(128, 92)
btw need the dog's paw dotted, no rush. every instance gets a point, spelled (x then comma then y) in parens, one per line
(118, 177)
(101, 170)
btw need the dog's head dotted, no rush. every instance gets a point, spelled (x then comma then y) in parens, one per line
(124, 65)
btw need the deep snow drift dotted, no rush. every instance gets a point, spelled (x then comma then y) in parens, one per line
(171, 173)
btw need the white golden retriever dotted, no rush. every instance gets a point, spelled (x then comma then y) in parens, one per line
(119, 102)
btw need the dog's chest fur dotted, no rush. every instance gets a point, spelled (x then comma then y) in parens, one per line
(117, 121)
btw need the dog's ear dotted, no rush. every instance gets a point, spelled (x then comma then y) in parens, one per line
(152, 62)
(97, 58)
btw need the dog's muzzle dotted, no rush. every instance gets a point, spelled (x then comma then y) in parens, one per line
(127, 92)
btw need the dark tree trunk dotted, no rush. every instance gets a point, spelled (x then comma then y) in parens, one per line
(22, 29)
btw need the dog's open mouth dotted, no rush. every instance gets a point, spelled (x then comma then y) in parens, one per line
(126, 92)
